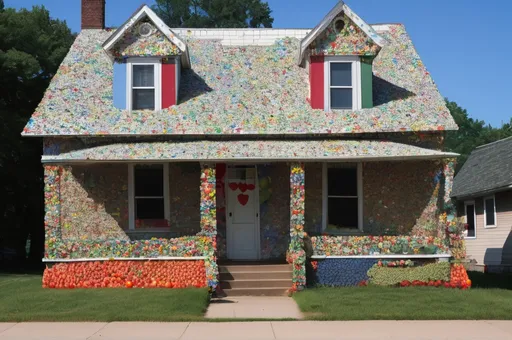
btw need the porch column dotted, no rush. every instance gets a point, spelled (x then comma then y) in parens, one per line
(296, 252)
(52, 228)
(208, 202)
(208, 214)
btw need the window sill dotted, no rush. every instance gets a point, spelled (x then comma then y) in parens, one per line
(490, 227)
(340, 233)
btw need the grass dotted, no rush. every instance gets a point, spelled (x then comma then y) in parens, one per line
(23, 299)
(411, 303)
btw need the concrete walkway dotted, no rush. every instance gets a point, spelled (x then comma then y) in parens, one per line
(296, 330)
(254, 307)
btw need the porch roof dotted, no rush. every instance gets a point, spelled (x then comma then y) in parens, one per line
(255, 150)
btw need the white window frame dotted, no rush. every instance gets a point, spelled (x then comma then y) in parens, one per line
(490, 226)
(466, 203)
(157, 81)
(325, 197)
(356, 80)
(131, 194)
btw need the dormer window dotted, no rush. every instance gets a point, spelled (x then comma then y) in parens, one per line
(143, 79)
(342, 83)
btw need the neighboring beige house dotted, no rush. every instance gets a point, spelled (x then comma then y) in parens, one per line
(483, 189)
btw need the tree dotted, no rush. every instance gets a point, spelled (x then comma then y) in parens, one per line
(32, 46)
(214, 13)
(472, 133)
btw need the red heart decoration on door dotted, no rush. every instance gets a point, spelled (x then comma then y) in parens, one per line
(233, 186)
(242, 187)
(251, 187)
(243, 199)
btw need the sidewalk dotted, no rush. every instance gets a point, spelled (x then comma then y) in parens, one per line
(295, 330)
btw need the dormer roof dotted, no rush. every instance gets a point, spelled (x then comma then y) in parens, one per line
(340, 9)
(176, 45)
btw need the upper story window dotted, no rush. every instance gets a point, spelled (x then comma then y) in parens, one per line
(143, 82)
(342, 83)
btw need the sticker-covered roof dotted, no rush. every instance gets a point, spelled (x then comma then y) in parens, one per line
(240, 90)
(355, 150)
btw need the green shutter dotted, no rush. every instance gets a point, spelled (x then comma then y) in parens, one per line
(366, 83)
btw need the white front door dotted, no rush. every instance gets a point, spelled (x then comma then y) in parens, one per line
(243, 208)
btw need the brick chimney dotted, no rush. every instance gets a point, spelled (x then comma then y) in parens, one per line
(93, 14)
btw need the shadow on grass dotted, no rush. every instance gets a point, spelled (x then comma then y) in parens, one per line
(488, 280)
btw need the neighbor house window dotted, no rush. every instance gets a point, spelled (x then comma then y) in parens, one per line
(342, 197)
(143, 80)
(343, 83)
(490, 212)
(469, 208)
(149, 195)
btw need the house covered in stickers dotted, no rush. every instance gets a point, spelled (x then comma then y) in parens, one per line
(194, 147)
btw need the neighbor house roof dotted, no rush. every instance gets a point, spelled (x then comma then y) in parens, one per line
(488, 169)
(239, 90)
(326, 150)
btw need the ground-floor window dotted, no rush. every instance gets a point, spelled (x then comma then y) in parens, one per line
(342, 201)
(149, 195)
(490, 212)
(469, 207)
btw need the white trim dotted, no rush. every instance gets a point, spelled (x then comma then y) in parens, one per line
(386, 256)
(161, 258)
(132, 197)
(355, 61)
(257, 212)
(157, 81)
(349, 159)
(466, 203)
(325, 197)
(490, 226)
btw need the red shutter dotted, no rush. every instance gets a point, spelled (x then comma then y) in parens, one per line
(168, 83)
(316, 82)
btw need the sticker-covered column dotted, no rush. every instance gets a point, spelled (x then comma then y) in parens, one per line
(296, 253)
(52, 205)
(209, 220)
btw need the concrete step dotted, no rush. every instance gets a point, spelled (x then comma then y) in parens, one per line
(274, 291)
(254, 268)
(255, 275)
(256, 283)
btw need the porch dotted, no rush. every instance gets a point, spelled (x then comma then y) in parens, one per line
(250, 205)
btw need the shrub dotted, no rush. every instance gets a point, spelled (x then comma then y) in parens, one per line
(390, 276)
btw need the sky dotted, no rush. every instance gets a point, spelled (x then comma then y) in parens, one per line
(465, 44)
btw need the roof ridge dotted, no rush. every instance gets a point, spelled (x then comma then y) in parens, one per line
(495, 142)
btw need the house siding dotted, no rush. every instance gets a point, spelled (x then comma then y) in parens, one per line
(492, 246)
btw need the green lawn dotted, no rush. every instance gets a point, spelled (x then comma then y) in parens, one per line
(411, 303)
(23, 299)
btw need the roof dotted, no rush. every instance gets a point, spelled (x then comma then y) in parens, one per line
(146, 12)
(488, 169)
(268, 150)
(239, 90)
(339, 8)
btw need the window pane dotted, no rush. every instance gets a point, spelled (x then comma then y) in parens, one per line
(470, 218)
(341, 74)
(148, 208)
(341, 98)
(489, 211)
(342, 181)
(149, 180)
(143, 100)
(143, 75)
(342, 213)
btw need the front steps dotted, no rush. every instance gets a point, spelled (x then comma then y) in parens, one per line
(255, 279)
